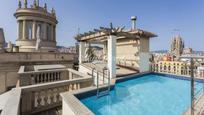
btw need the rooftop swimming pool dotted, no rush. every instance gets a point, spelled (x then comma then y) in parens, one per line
(151, 94)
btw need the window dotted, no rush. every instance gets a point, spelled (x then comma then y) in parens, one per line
(30, 29)
(29, 33)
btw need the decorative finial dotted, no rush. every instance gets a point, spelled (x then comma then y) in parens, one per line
(25, 3)
(35, 4)
(19, 4)
(45, 7)
(53, 11)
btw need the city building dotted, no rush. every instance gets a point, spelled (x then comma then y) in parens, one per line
(35, 44)
(172, 67)
(187, 51)
(177, 46)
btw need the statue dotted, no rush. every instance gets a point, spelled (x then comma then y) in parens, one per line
(19, 4)
(25, 3)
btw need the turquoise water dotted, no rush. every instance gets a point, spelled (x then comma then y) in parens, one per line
(148, 95)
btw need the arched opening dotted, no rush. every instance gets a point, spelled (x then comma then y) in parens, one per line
(30, 30)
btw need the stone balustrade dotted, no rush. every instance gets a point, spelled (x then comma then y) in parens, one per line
(35, 57)
(45, 76)
(174, 69)
(41, 97)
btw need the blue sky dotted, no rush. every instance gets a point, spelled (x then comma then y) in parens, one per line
(158, 16)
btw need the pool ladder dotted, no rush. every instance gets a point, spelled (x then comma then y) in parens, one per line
(106, 89)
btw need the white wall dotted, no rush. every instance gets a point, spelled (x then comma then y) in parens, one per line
(144, 61)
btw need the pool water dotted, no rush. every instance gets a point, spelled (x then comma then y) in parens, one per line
(148, 95)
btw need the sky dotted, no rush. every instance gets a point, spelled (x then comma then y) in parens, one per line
(162, 17)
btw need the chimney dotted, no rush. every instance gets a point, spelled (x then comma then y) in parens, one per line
(133, 19)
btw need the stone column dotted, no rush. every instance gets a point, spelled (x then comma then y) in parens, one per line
(45, 31)
(112, 55)
(81, 52)
(24, 30)
(54, 32)
(34, 30)
(51, 33)
(18, 30)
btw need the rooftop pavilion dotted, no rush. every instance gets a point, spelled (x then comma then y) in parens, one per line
(126, 48)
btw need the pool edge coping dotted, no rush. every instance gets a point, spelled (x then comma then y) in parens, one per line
(73, 102)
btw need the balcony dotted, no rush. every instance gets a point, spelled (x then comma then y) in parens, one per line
(41, 93)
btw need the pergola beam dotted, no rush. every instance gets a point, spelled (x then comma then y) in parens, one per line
(104, 32)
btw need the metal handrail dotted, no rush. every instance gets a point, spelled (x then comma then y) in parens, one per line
(98, 90)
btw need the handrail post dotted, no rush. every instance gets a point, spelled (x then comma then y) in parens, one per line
(97, 84)
(108, 79)
(192, 87)
(103, 75)
(93, 78)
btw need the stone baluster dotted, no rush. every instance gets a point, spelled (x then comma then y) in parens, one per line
(47, 77)
(32, 78)
(49, 92)
(50, 77)
(70, 87)
(37, 77)
(39, 100)
(59, 90)
(51, 96)
(78, 86)
(45, 98)
(54, 74)
(40, 78)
